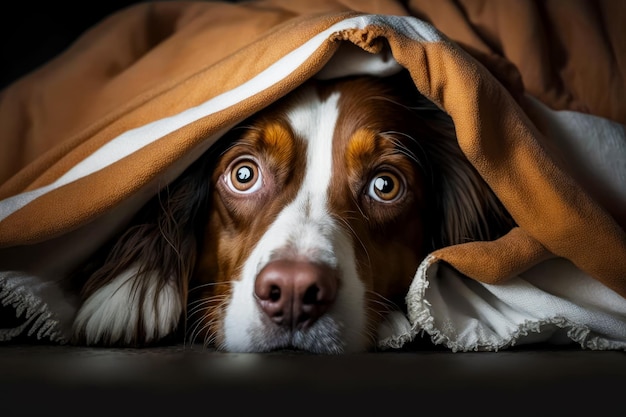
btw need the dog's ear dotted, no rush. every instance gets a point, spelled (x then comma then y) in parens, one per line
(461, 205)
(162, 239)
(467, 208)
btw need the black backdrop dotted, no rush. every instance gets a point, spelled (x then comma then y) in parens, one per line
(33, 33)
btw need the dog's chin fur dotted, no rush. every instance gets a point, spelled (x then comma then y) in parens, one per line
(191, 261)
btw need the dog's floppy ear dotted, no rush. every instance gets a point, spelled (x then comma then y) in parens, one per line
(466, 208)
(160, 243)
(461, 206)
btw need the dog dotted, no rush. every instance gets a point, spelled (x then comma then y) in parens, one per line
(302, 228)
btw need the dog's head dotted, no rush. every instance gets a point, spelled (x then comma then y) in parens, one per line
(322, 208)
(305, 225)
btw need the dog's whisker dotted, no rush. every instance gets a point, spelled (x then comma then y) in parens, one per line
(382, 313)
(371, 334)
(207, 320)
(203, 331)
(206, 298)
(360, 210)
(209, 284)
(209, 337)
(198, 310)
(197, 305)
(191, 335)
(203, 304)
(209, 340)
(381, 299)
(386, 307)
(199, 325)
(203, 301)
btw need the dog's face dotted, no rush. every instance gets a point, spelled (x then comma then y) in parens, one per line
(316, 223)
(302, 228)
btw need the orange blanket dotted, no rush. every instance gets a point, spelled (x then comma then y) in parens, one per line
(535, 91)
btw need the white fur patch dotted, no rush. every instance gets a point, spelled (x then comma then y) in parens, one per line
(304, 228)
(111, 314)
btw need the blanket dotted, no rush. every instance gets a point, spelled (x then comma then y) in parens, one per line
(535, 90)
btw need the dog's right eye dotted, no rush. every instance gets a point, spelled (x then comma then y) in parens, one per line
(244, 176)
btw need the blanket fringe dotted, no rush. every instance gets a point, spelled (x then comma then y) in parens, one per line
(422, 321)
(38, 320)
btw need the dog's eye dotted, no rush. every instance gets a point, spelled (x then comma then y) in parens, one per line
(385, 187)
(244, 177)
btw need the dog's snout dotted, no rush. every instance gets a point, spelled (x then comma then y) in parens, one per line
(295, 293)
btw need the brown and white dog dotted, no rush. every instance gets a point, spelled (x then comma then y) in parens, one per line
(301, 229)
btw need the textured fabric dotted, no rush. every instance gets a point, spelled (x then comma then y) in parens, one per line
(93, 134)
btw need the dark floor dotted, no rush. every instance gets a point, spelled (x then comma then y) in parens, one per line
(178, 380)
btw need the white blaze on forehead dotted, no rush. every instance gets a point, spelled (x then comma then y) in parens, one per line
(305, 225)
(315, 122)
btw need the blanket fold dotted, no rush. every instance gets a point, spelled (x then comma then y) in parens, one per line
(96, 132)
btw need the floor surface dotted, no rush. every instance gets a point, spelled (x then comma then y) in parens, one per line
(178, 380)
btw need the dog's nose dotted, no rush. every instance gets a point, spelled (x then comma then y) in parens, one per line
(295, 293)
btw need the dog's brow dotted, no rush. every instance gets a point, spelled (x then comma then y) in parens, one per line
(361, 143)
(268, 135)
(369, 145)
(276, 136)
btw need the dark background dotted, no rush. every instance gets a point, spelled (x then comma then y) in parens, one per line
(33, 33)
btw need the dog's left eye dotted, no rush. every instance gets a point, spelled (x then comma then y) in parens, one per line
(244, 177)
(385, 187)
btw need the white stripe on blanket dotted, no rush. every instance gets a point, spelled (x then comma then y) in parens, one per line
(135, 139)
